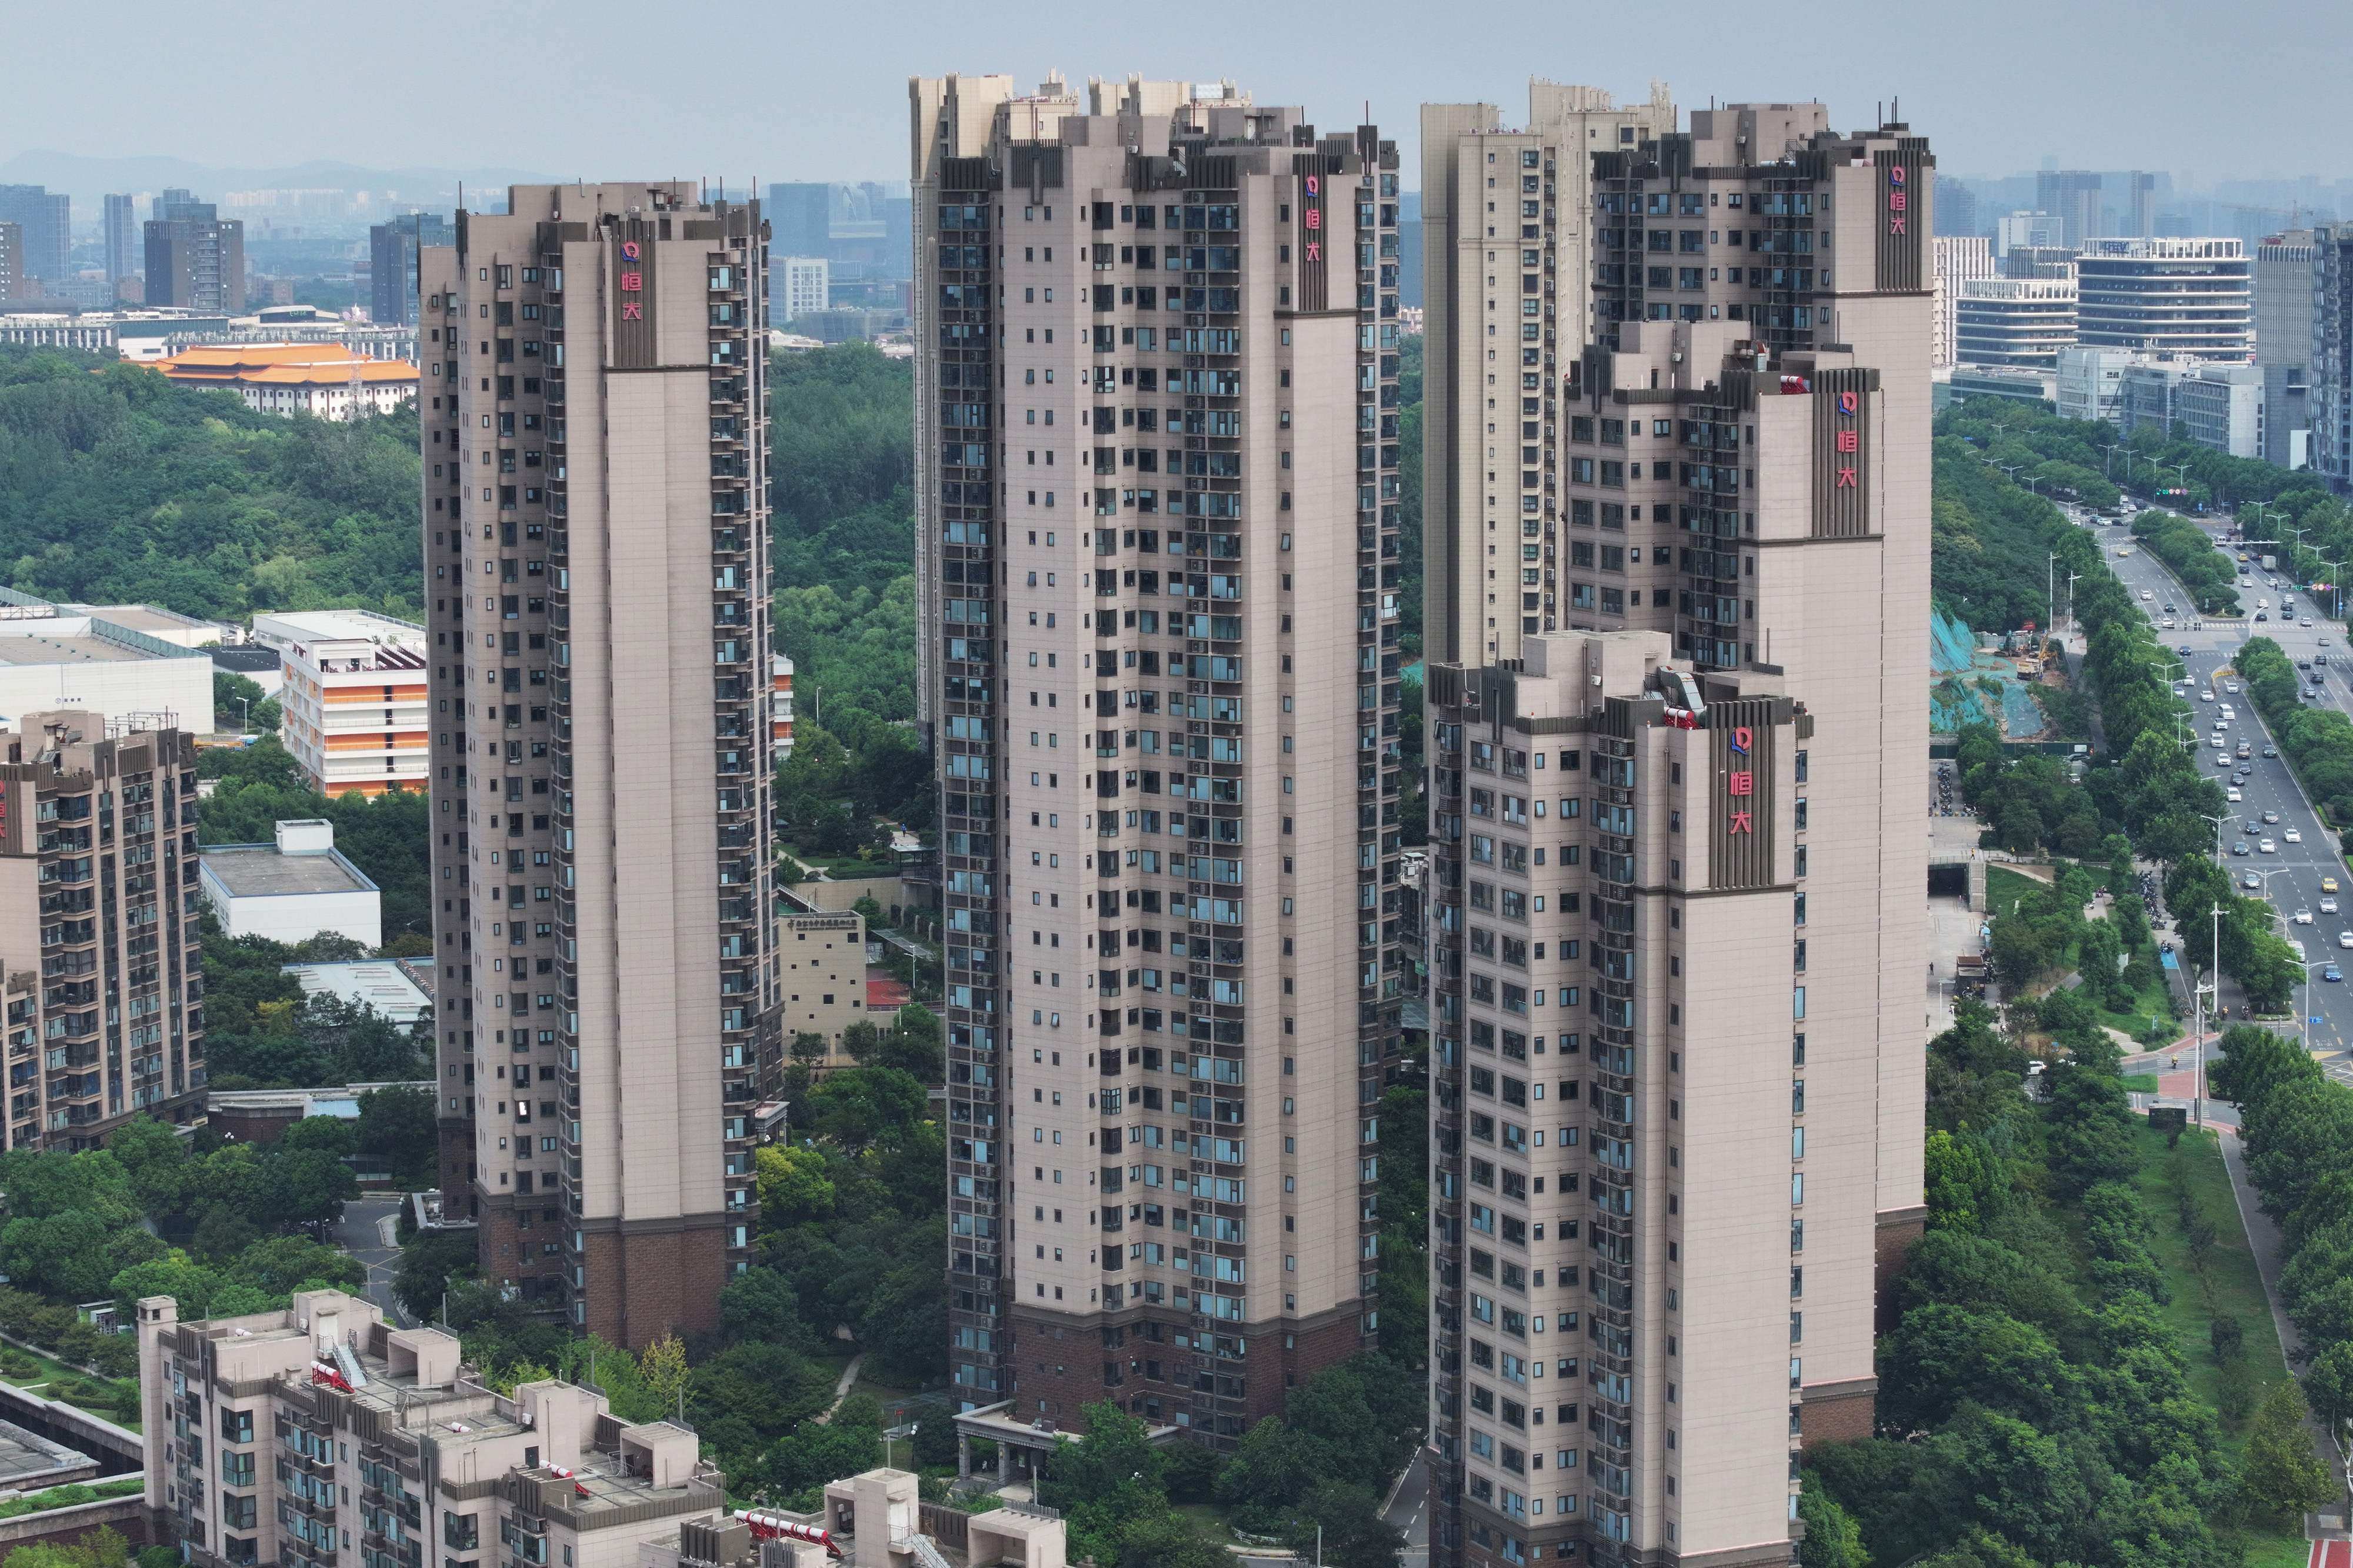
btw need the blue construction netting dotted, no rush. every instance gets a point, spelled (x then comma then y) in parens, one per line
(1959, 672)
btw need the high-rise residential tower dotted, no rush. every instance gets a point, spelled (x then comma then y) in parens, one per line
(1507, 252)
(47, 219)
(1676, 863)
(392, 265)
(122, 239)
(2332, 353)
(594, 427)
(2284, 303)
(1155, 395)
(195, 258)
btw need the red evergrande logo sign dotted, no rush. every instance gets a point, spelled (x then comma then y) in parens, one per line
(1849, 440)
(1897, 198)
(1740, 784)
(632, 281)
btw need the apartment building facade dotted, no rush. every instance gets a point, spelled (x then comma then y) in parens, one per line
(1156, 403)
(1746, 554)
(1507, 258)
(195, 258)
(2184, 299)
(595, 523)
(2332, 353)
(98, 901)
(322, 1436)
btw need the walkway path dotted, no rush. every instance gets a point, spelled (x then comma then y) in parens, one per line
(841, 1387)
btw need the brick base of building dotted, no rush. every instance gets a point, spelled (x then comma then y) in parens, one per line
(513, 1240)
(1837, 1412)
(646, 1283)
(456, 1139)
(1891, 1242)
(1055, 1362)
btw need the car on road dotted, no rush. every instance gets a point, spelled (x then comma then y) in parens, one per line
(2271, 817)
(2251, 881)
(2205, 697)
(2302, 917)
(2183, 649)
(2231, 687)
(2329, 906)
(2254, 828)
(2261, 616)
(2234, 794)
(2332, 973)
(2271, 751)
(2329, 884)
(2244, 750)
(2147, 594)
(2169, 610)
(2344, 938)
(2217, 741)
(2292, 835)
(2239, 846)
(2166, 625)
(2267, 847)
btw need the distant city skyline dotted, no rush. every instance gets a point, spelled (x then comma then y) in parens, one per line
(2006, 84)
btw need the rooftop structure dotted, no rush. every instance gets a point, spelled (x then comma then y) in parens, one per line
(72, 656)
(30, 1462)
(293, 888)
(382, 984)
(306, 1411)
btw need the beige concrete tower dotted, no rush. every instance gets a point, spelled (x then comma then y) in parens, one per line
(1508, 249)
(596, 524)
(1159, 331)
(1726, 741)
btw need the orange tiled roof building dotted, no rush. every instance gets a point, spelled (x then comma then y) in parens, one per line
(326, 381)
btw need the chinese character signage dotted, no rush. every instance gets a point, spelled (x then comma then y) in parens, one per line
(1741, 743)
(1902, 175)
(1842, 403)
(629, 286)
(1311, 231)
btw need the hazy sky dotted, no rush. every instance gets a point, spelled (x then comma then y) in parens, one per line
(618, 88)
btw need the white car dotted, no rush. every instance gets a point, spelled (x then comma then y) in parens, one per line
(2217, 741)
(2302, 917)
(2267, 847)
(2292, 835)
(2147, 594)
(2344, 938)
(2233, 797)
(2329, 906)
(2305, 622)
(2231, 687)
(2166, 623)
(2205, 697)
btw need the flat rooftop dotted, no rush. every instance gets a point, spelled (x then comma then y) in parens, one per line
(382, 984)
(26, 1455)
(333, 625)
(39, 651)
(260, 871)
(140, 617)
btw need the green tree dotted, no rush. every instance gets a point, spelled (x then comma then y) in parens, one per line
(1832, 1538)
(792, 1186)
(2281, 1475)
(1113, 1477)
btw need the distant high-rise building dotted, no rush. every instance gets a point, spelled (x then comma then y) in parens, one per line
(1959, 259)
(47, 219)
(598, 586)
(69, 780)
(2140, 205)
(392, 265)
(802, 287)
(195, 258)
(1172, 964)
(2054, 262)
(1508, 225)
(122, 239)
(2331, 370)
(1746, 473)
(168, 201)
(1957, 208)
(2072, 195)
(800, 214)
(2025, 228)
(2284, 314)
(12, 262)
(2179, 297)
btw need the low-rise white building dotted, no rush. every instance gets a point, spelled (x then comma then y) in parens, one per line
(65, 656)
(354, 700)
(382, 984)
(2091, 382)
(293, 888)
(804, 286)
(2216, 405)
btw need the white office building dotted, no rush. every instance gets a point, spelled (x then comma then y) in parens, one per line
(2217, 406)
(803, 285)
(1961, 257)
(2180, 299)
(2091, 382)
(2020, 322)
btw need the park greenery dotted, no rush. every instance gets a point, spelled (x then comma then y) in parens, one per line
(2034, 1406)
(2297, 1126)
(119, 487)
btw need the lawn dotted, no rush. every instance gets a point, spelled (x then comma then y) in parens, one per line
(2005, 886)
(2228, 1287)
(2140, 1083)
(53, 1369)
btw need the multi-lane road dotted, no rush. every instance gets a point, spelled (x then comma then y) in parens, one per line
(2289, 877)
